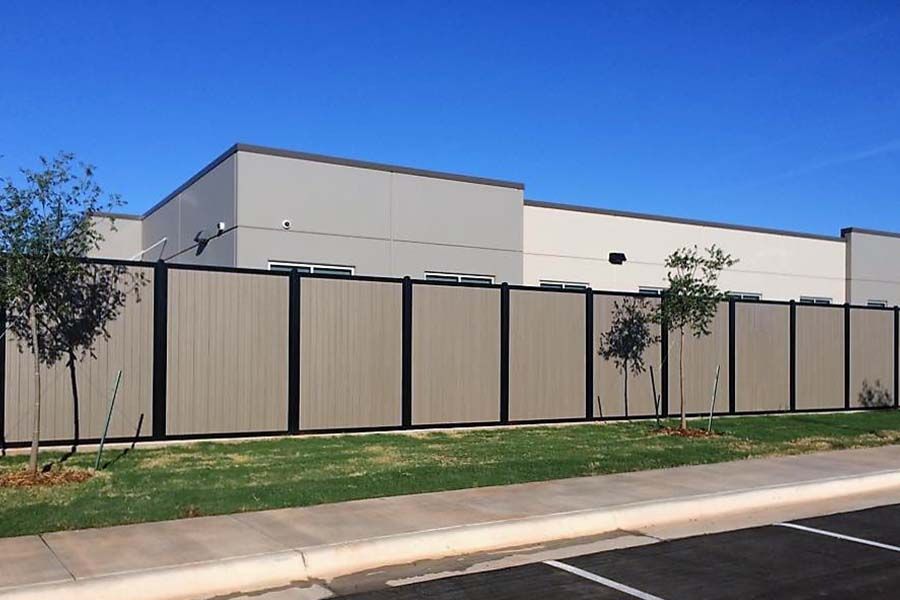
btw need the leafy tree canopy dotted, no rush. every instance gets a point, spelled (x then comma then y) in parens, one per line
(46, 228)
(693, 294)
(629, 335)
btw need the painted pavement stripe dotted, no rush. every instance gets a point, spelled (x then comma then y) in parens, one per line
(839, 536)
(602, 580)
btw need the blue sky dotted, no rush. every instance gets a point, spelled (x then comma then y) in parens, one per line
(779, 114)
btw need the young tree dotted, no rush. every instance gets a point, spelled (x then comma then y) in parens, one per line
(56, 303)
(628, 338)
(692, 298)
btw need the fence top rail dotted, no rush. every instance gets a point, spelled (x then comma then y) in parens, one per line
(417, 281)
(625, 294)
(864, 307)
(219, 269)
(457, 284)
(534, 288)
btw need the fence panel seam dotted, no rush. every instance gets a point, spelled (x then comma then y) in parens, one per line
(406, 390)
(160, 348)
(793, 357)
(504, 353)
(896, 356)
(847, 350)
(3, 341)
(664, 369)
(294, 324)
(589, 355)
(732, 380)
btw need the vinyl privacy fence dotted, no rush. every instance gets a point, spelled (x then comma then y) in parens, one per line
(213, 352)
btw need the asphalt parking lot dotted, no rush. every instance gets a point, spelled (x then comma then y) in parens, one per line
(849, 555)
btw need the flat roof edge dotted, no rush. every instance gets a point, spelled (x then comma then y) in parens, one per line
(334, 160)
(848, 230)
(116, 215)
(679, 220)
(362, 164)
(192, 180)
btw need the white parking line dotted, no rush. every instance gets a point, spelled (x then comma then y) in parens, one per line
(602, 580)
(840, 536)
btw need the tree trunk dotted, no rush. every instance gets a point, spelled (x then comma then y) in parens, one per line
(76, 410)
(36, 427)
(625, 372)
(681, 379)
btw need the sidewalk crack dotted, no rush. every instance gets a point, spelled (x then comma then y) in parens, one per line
(58, 559)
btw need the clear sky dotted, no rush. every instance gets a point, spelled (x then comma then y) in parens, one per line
(778, 114)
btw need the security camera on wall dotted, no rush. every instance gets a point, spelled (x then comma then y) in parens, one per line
(286, 224)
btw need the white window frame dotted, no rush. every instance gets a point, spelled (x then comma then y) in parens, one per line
(313, 267)
(442, 276)
(877, 303)
(751, 296)
(819, 300)
(650, 290)
(562, 285)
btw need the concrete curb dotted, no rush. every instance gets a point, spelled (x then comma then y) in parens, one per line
(258, 572)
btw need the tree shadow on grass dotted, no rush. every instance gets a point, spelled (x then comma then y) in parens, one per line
(124, 452)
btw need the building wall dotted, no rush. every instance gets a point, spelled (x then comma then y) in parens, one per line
(122, 236)
(396, 221)
(198, 206)
(570, 245)
(873, 272)
(381, 222)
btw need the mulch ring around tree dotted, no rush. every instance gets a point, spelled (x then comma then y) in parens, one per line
(689, 432)
(21, 478)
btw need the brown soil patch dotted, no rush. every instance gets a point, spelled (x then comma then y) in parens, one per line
(190, 511)
(689, 432)
(23, 479)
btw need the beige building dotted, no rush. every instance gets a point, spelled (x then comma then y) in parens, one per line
(265, 208)
(567, 243)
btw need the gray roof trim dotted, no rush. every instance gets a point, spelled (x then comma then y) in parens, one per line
(215, 163)
(848, 230)
(116, 215)
(666, 219)
(333, 160)
(349, 162)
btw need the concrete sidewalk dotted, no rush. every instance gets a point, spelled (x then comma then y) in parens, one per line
(207, 555)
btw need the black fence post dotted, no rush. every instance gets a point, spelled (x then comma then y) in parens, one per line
(664, 370)
(160, 347)
(406, 399)
(846, 356)
(896, 356)
(589, 354)
(293, 412)
(793, 358)
(504, 352)
(3, 341)
(732, 384)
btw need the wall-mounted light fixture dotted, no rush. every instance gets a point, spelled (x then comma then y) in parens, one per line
(617, 258)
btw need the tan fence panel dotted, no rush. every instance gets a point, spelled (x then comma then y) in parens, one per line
(455, 354)
(701, 356)
(871, 357)
(350, 353)
(546, 355)
(609, 397)
(129, 348)
(820, 357)
(227, 352)
(762, 361)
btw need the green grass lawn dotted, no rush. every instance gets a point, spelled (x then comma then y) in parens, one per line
(215, 478)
